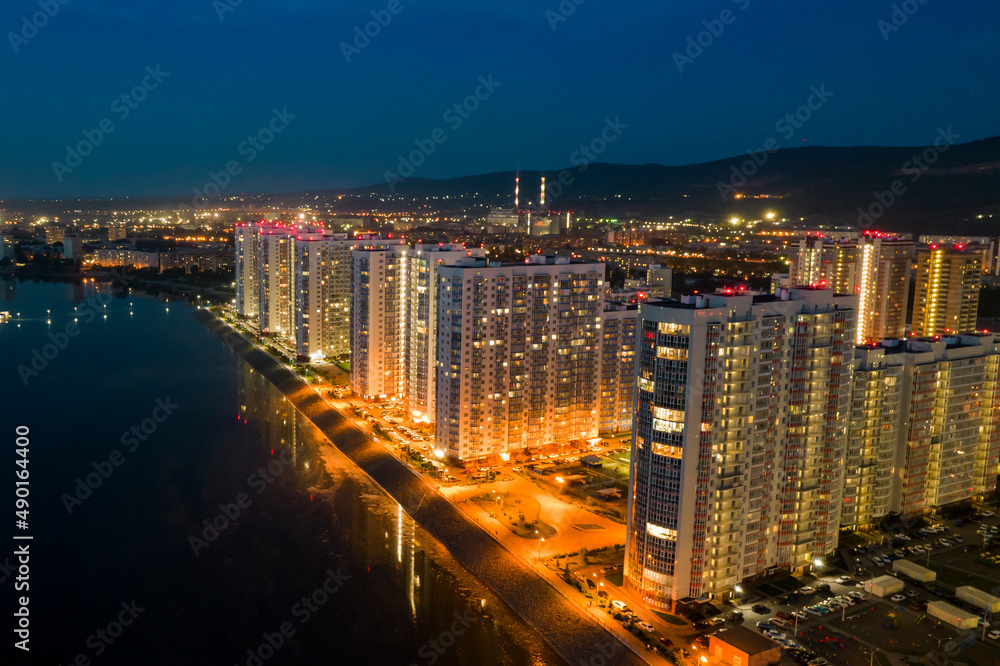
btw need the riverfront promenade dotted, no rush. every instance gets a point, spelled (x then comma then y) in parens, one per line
(567, 628)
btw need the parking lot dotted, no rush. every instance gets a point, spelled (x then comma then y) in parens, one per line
(830, 618)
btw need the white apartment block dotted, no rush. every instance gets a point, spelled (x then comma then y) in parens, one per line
(276, 244)
(378, 317)
(247, 269)
(518, 357)
(739, 439)
(322, 294)
(948, 441)
(422, 264)
(617, 367)
(874, 434)
(874, 266)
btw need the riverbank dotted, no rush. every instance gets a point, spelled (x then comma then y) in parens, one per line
(570, 631)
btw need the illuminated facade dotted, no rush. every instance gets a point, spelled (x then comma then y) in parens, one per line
(519, 355)
(874, 266)
(873, 437)
(952, 427)
(422, 265)
(247, 270)
(322, 291)
(378, 317)
(738, 441)
(617, 367)
(275, 251)
(946, 299)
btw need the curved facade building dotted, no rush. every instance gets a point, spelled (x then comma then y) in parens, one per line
(739, 437)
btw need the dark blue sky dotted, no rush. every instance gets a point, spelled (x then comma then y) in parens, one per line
(557, 87)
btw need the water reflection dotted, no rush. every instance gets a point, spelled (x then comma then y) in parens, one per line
(410, 590)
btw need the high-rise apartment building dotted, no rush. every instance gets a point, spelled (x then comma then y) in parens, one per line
(883, 288)
(946, 299)
(876, 426)
(420, 358)
(519, 355)
(378, 317)
(925, 426)
(952, 404)
(322, 293)
(739, 439)
(618, 326)
(247, 269)
(276, 294)
(874, 266)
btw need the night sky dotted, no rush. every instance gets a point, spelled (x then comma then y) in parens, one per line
(560, 76)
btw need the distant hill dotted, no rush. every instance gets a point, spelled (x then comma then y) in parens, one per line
(820, 184)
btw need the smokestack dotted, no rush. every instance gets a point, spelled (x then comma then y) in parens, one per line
(517, 189)
(542, 202)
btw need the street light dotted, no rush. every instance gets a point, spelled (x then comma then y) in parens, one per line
(540, 540)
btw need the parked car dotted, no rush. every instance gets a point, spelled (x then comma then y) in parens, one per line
(646, 626)
(898, 598)
(760, 609)
(807, 590)
(666, 641)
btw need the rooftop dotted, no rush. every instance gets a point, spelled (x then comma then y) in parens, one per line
(746, 640)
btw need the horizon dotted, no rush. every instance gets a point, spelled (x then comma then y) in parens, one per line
(726, 160)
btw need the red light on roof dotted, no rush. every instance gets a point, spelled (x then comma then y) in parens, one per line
(934, 246)
(959, 247)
